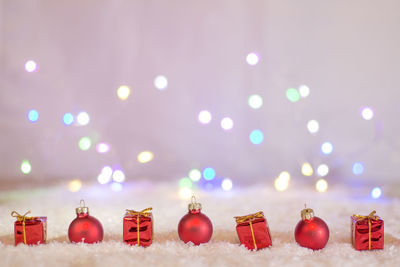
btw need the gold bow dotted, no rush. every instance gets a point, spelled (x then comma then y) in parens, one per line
(250, 217)
(145, 213)
(22, 218)
(370, 217)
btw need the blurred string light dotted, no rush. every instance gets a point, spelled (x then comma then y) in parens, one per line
(26, 167)
(118, 176)
(185, 193)
(145, 156)
(292, 94)
(85, 143)
(307, 169)
(304, 91)
(209, 173)
(326, 148)
(33, 115)
(256, 137)
(75, 185)
(123, 92)
(367, 113)
(195, 175)
(30, 66)
(323, 170)
(282, 181)
(358, 168)
(227, 123)
(117, 187)
(68, 118)
(102, 148)
(105, 175)
(204, 116)
(255, 101)
(313, 126)
(83, 118)
(185, 182)
(227, 184)
(252, 59)
(376, 192)
(321, 185)
(161, 82)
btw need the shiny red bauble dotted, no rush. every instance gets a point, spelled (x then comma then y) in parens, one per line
(311, 232)
(85, 228)
(195, 226)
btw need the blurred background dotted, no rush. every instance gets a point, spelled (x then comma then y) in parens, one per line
(213, 95)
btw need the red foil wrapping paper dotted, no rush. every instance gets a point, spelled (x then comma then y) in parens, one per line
(367, 232)
(253, 231)
(138, 227)
(30, 230)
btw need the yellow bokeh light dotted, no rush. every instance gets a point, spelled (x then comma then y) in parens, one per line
(282, 182)
(145, 156)
(321, 185)
(306, 169)
(123, 92)
(185, 193)
(285, 176)
(75, 185)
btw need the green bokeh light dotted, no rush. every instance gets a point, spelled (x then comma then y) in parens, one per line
(255, 101)
(185, 182)
(195, 175)
(26, 167)
(293, 95)
(85, 143)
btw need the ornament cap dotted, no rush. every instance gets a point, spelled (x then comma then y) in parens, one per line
(82, 208)
(306, 213)
(194, 205)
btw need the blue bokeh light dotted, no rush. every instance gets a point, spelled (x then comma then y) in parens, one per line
(116, 186)
(376, 192)
(326, 148)
(358, 168)
(33, 115)
(208, 174)
(68, 118)
(256, 137)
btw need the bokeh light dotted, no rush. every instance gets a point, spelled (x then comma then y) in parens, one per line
(321, 185)
(161, 82)
(185, 182)
(75, 185)
(26, 167)
(227, 123)
(123, 92)
(313, 126)
(358, 168)
(118, 176)
(33, 115)
(83, 118)
(292, 94)
(252, 59)
(304, 91)
(185, 193)
(117, 187)
(204, 116)
(326, 148)
(323, 170)
(30, 66)
(256, 137)
(195, 175)
(376, 192)
(255, 101)
(367, 113)
(145, 156)
(85, 143)
(227, 184)
(208, 173)
(106, 175)
(307, 169)
(282, 181)
(68, 118)
(102, 148)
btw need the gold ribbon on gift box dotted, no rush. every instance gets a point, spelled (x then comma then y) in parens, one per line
(22, 218)
(370, 217)
(144, 213)
(249, 218)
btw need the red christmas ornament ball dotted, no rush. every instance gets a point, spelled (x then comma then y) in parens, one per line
(195, 226)
(85, 228)
(311, 232)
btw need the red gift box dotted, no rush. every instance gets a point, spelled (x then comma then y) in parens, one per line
(138, 227)
(253, 231)
(367, 232)
(29, 230)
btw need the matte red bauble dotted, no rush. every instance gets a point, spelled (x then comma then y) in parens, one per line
(311, 232)
(195, 226)
(85, 228)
